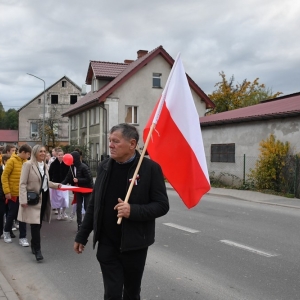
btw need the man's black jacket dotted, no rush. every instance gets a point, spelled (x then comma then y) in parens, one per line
(148, 201)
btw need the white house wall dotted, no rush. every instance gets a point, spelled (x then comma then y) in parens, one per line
(138, 91)
(247, 137)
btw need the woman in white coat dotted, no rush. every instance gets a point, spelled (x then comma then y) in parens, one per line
(31, 180)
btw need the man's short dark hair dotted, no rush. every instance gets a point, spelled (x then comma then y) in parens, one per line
(78, 150)
(5, 157)
(9, 147)
(128, 131)
(25, 148)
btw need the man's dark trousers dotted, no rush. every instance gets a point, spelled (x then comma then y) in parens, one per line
(81, 199)
(121, 270)
(13, 208)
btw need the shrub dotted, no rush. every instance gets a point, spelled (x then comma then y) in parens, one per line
(268, 172)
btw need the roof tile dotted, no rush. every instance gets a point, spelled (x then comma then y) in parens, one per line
(283, 106)
(107, 69)
(9, 135)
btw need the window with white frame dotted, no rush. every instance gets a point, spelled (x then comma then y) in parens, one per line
(94, 85)
(83, 119)
(97, 151)
(92, 116)
(92, 150)
(97, 116)
(34, 130)
(72, 122)
(156, 80)
(131, 115)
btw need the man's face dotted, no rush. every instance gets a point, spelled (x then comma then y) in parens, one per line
(12, 150)
(53, 152)
(60, 156)
(120, 148)
(24, 155)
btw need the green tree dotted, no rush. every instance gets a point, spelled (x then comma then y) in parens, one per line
(268, 172)
(2, 116)
(74, 145)
(11, 119)
(229, 96)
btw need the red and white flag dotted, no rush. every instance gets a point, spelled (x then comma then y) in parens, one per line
(176, 142)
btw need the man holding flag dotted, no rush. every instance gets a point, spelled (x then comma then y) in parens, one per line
(122, 249)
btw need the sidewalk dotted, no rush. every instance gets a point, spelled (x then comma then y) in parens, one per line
(253, 197)
(7, 292)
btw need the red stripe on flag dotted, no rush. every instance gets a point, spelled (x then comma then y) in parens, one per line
(180, 166)
(176, 140)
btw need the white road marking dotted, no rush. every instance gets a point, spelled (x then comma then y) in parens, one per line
(181, 227)
(247, 248)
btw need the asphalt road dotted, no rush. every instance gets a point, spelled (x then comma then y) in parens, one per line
(222, 249)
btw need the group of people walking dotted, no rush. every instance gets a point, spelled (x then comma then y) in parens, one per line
(122, 249)
(27, 171)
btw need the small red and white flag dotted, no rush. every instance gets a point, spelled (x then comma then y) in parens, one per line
(176, 142)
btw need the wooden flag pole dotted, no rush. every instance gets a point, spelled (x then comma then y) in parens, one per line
(138, 167)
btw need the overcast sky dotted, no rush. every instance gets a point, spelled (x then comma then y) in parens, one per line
(50, 39)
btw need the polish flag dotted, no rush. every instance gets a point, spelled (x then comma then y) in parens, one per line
(176, 140)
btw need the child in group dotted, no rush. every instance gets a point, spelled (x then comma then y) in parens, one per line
(59, 199)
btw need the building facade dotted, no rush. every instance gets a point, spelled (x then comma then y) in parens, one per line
(123, 92)
(47, 108)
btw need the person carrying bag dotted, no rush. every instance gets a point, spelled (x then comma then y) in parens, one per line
(33, 198)
(34, 178)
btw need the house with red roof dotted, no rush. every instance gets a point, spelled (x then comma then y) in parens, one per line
(58, 97)
(9, 137)
(231, 139)
(123, 92)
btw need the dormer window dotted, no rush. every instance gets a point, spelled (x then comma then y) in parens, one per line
(95, 85)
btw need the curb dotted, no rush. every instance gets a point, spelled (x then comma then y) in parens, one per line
(256, 201)
(6, 289)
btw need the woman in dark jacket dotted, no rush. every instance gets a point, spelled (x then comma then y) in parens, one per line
(79, 175)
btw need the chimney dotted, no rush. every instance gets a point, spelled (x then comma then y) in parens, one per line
(141, 53)
(83, 90)
(128, 61)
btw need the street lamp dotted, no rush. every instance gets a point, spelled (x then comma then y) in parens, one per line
(43, 129)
